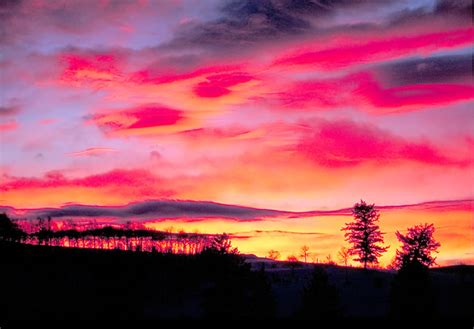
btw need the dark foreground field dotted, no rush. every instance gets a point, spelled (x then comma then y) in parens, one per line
(62, 285)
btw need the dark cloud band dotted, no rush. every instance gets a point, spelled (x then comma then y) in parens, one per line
(199, 210)
(435, 69)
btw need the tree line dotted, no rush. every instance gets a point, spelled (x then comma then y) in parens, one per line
(95, 236)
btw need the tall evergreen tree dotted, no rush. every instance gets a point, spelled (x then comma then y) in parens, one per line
(364, 234)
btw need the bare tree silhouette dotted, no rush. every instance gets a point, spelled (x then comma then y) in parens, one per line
(274, 254)
(304, 252)
(343, 255)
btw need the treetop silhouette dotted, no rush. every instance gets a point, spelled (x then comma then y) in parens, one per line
(417, 246)
(364, 234)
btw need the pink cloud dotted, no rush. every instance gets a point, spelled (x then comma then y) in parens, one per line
(88, 67)
(8, 126)
(345, 143)
(147, 76)
(217, 85)
(363, 91)
(148, 116)
(412, 95)
(46, 122)
(347, 52)
(139, 179)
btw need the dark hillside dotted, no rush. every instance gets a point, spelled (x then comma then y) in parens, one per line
(56, 285)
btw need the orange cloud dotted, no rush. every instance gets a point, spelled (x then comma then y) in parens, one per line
(94, 151)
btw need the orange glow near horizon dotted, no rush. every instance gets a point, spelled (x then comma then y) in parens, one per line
(323, 236)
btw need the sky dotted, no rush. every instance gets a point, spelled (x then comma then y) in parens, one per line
(265, 119)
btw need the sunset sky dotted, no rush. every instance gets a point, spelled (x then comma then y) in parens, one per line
(264, 119)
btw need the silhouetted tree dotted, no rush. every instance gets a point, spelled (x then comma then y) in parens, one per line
(221, 244)
(41, 230)
(292, 259)
(234, 290)
(304, 252)
(320, 299)
(9, 230)
(343, 255)
(417, 246)
(292, 262)
(364, 234)
(44, 231)
(274, 254)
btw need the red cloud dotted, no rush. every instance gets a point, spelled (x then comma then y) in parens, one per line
(154, 116)
(412, 95)
(345, 143)
(344, 55)
(217, 85)
(139, 118)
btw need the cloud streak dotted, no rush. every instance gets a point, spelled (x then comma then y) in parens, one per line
(159, 210)
(189, 210)
(93, 151)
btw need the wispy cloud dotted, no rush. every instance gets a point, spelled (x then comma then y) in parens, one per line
(93, 151)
